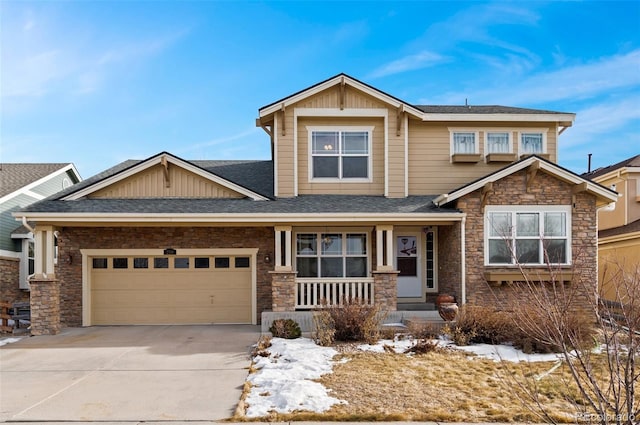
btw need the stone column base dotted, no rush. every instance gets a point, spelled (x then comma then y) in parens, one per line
(385, 284)
(283, 290)
(45, 306)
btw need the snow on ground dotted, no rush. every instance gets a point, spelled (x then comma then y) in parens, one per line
(5, 341)
(283, 380)
(494, 352)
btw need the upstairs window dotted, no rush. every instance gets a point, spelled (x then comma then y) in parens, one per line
(498, 142)
(340, 154)
(532, 143)
(527, 235)
(465, 142)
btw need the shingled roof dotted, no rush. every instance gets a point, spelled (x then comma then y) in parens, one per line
(634, 161)
(14, 176)
(480, 109)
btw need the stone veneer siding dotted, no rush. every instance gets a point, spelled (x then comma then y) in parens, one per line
(385, 284)
(73, 239)
(10, 281)
(45, 306)
(544, 190)
(449, 268)
(283, 289)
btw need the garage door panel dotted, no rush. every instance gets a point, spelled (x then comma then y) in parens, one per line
(171, 296)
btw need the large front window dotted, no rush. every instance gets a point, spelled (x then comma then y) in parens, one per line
(527, 235)
(331, 254)
(340, 154)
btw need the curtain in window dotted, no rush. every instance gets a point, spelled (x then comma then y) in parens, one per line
(532, 142)
(498, 142)
(464, 143)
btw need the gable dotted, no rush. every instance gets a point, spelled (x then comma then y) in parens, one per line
(151, 183)
(337, 97)
(160, 176)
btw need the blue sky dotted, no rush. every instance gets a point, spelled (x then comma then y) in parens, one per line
(98, 82)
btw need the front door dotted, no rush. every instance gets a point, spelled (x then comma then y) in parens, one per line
(408, 260)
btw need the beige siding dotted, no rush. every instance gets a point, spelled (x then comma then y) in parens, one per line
(612, 257)
(376, 187)
(285, 160)
(396, 156)
(330, 98)
(627, 209)
(430, 168)
(150, 183)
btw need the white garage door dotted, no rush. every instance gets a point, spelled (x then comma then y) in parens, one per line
(143, 289)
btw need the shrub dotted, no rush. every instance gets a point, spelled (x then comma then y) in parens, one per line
(422, 330)
(423, 346)
(285, 328)
(478, 324)
(324, 329)
(356, 321)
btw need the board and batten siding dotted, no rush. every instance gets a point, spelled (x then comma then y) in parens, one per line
(430, 168)
(150, 183)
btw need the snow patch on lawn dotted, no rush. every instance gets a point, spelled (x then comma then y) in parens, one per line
(488, 351)
(283, 380)
(5, 341)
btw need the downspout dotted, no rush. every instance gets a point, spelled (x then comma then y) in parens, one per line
(463, 267)
(26, 224)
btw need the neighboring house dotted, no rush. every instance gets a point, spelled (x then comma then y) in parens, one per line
(21, 185)
(366, 196)
(619, 223)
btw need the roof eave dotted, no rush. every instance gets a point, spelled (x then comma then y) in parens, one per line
(565, 120)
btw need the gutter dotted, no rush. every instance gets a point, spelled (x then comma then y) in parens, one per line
(26, 224)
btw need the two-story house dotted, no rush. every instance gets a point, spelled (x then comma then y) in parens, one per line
(22, 184)
(366, 196)
(618, 225)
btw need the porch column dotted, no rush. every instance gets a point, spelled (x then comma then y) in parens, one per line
(283, 248)
(384, 247)
(283, 290)
(45, 288)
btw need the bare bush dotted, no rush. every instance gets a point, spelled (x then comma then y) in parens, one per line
(353, 320)
(557, 316)
(324, 328)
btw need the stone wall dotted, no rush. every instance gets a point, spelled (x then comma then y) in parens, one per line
(45, 306)
(544, 190)
(283, 290)
(10, 281)
(385, 285)
(73, 239)
(449, 268)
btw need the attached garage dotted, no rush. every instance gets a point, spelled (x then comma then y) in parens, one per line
(145, 287)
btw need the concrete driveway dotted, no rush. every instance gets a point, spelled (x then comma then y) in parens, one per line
(126, 373)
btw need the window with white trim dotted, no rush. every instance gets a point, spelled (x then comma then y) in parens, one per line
(340, 154)
(533, 142)
(498, 142)
(527, 235)
(331, 254)
(464, 142)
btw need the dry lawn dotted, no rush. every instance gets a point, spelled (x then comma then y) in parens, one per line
(444, 385)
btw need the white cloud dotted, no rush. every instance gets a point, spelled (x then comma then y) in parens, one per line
(419, 60)
(220, 140)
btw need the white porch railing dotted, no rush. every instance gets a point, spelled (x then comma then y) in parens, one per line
(312, 293)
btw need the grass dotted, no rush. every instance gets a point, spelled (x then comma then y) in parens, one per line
(444, 385)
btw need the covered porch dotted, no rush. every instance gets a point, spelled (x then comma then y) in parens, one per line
(401, 266)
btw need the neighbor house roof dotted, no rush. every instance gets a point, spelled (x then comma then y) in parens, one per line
(14, 176)
(633, 227)
(634, 161)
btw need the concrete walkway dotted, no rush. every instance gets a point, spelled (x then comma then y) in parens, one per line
(126, 374)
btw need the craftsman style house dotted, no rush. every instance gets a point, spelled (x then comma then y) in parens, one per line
(22, 184)
(618, 224)
(366, 196)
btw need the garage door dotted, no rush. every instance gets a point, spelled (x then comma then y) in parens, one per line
(170, 289)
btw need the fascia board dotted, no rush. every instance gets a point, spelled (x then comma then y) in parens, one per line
(330, 83)
(550, 168)
(154, 161)
(565, 119)
(236, 218)
(24, 190)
